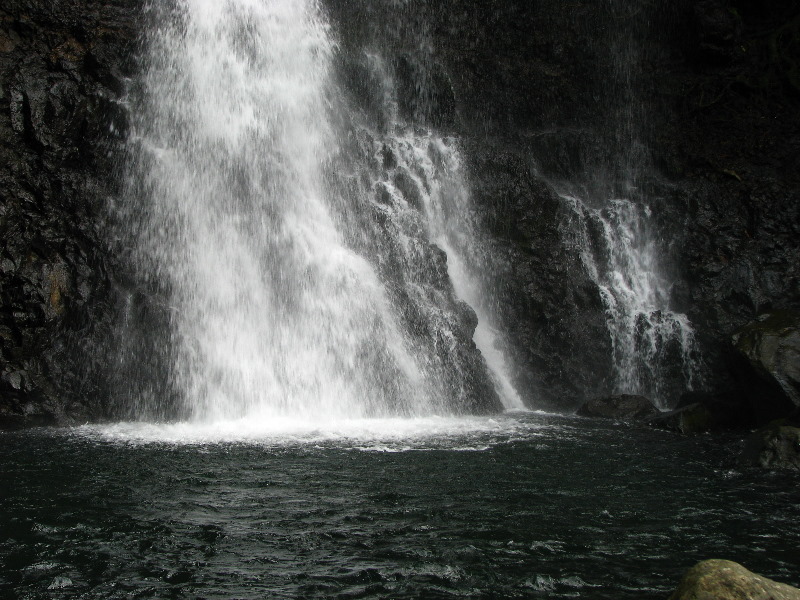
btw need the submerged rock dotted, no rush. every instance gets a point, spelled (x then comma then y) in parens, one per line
(728, 410)
(59, 583)
(623, 407)
(694, 418)
(726, 580)
(698, 412)
(774, 447)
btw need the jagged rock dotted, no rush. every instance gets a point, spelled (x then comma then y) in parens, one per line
(774, 447)
(623, 407)
(771, 346)
(553, 310)
(726, 580)
(59, 583)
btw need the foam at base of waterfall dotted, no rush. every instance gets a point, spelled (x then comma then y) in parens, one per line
(391, 434)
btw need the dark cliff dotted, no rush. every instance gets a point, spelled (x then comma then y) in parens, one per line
(713, 90)
(62, 75)
(529, 87)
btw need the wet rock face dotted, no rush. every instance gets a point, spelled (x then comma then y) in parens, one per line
(721, 130)
(726, 580)
(62, 70)
(771, 347)
(740, 179)
(556, 325)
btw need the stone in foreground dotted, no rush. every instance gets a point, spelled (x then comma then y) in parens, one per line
(622, 407)
(726, 580)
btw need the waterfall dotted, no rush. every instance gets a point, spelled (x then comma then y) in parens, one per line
(611, 223)
(264, 226)
(653, 347)
(422, 175)
(435, 166)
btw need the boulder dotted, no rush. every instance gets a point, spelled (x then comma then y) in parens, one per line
(622, 407)
(771, 348)
(726, 580)
(773, 447)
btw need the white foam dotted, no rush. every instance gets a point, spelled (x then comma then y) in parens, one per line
(376, 435)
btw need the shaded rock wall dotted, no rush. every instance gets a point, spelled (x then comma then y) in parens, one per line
(62, 70)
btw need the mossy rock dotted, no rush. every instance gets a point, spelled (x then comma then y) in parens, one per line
(726, 580)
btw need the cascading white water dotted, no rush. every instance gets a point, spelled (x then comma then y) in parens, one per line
(427, 176)
(262, 213)
(610, 222)
(271, 312)
(435, 166)
(622, 259)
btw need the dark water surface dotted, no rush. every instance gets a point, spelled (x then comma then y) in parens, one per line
(529, 506)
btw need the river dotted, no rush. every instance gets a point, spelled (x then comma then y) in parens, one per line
(524, 505)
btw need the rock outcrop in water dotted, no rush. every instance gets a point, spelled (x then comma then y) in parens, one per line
(520, 84)
(773, 447)
(692, 418)
(727, 580)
